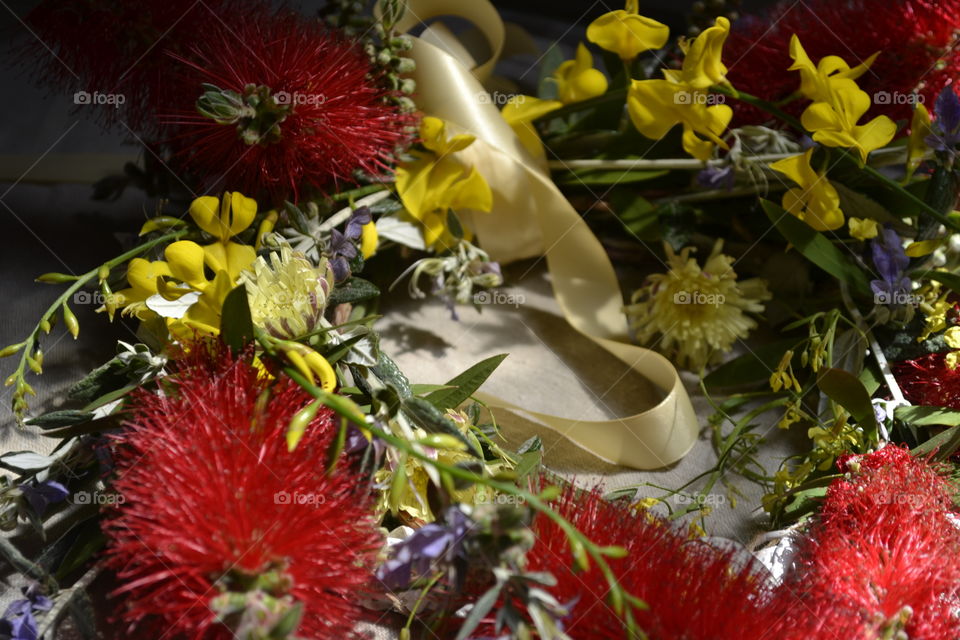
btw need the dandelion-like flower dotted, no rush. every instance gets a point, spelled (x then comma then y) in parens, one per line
(223, 532)
(288, 295)
(697, 312)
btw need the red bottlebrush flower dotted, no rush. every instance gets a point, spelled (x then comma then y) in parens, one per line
(694, 590)
(117, 48)
(212, 502)
(929, 381)
(915, 38)
(884, 556)
(331, 116)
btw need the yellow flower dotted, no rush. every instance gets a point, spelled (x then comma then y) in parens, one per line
(863, 228)
(520, 112)
(838, 104)
(178, 288)
(698, 312)
(656, 106)
(626, 33)
(815, 80)
(702, 62)
(813, 200)
(916, 143)
(577, 80)
(287, 295)
(436, 182)
(224, 218)
(369, 240)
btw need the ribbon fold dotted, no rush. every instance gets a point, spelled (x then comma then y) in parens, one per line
(532, 217)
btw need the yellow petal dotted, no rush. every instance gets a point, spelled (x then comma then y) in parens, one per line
(242, 212)
(433, 133)
(952, 337)
(205, 212)
(527, 108)
(230, 257)
(627, 34)
(922, 248)
(142, 276)
(651, 105)
(369, 239)
(185, 259)
(577, 80)
(874, 135)
(863, 228)
(472, 192)
(702, 65)
(412, 180)
(204, 314)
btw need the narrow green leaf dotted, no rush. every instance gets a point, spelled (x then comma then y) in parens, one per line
(928, 416)
(817, 248)
(236, 324)
(845, 389)
(353, 290)
(480, 609)
(432, 420)
(466, 384)
(944, 443)
(62, 418)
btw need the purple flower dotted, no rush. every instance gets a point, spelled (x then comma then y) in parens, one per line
(717, 178)
(358, 218)
(41, 495)
(946, 129)
(18, 622)
(432, 544)
(890, 261)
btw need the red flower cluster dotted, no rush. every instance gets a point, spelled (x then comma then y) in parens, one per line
(915, 38)
(928, 381)
(884, 552)
(338, 123)
(212, 499)
(693, 590)
(157, 54)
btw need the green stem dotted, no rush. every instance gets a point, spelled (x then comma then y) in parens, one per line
(423, 594)
(359, 192)
(18, 378)
(576, 539)
(760, 103)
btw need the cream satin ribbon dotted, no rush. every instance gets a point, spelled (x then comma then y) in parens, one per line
(530, 217)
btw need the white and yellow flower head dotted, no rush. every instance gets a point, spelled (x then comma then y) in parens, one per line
(287, 294)
(697, 312)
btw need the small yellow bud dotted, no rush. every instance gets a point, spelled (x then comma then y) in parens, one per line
(71, 321)
(299, 423)
(56, 278)
(10, 350)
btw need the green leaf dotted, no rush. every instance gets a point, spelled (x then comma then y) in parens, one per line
(634, 212)
(750, 368)
(480, 609)
(236, 324)
(466, 384)
(422, 389)
(944, 443)
(353, 290)
(106, 377)
(928, 416)
(432, 420)
(62, 418)
(802, 503)
(845, 389)
(817, 248)
(388, 371)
